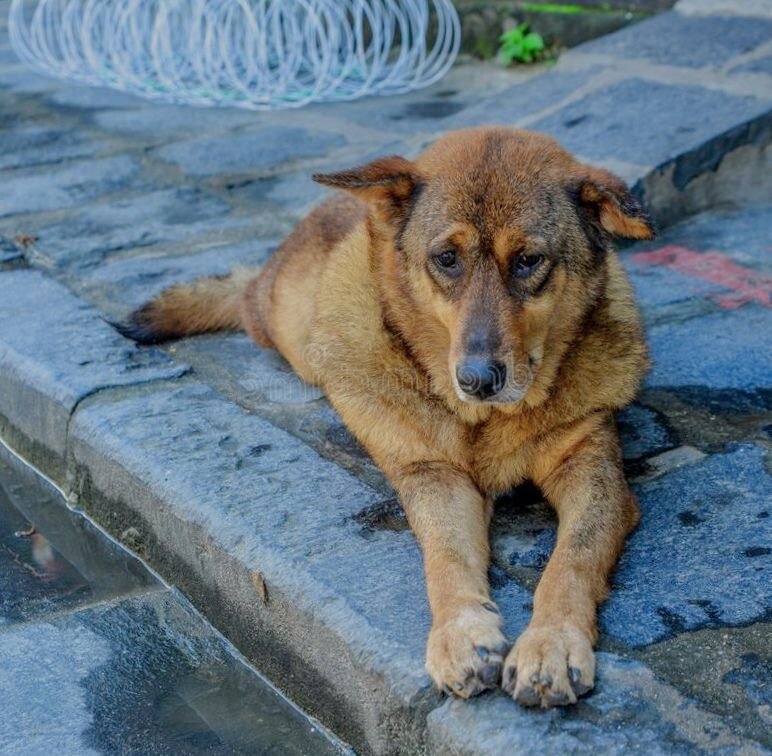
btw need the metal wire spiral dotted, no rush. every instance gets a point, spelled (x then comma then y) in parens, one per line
(258, 54)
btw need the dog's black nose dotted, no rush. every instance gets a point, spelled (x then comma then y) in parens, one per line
(481, 378)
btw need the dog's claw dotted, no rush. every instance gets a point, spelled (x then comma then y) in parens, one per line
(490, 673)
(528, 697)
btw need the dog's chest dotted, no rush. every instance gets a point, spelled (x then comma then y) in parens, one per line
(499, 455)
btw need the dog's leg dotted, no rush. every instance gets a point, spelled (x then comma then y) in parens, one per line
(450, 519)
(553, 662)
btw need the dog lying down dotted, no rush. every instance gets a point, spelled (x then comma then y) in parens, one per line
(468, 317)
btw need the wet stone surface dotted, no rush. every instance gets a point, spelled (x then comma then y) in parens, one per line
(144, 676)
(50, 559)
(99, 657)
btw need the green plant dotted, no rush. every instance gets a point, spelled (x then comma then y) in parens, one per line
(520, 45)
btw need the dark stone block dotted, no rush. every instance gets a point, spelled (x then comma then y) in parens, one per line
(724, 350)
(649, 123)
(67, 186)
(695, 42)
(642, 432)
(88, 235)
(247, 152)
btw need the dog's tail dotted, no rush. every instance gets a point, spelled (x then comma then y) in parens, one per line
(205, 305)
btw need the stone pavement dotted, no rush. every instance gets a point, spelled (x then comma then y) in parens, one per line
(241, 486)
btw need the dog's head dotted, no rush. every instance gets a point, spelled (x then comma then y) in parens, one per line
(502, 237)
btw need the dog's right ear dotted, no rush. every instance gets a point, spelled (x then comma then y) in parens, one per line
(388, 185)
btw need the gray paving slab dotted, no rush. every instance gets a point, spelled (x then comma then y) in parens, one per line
(54, 351)
(83, 238)
(121, 284)
(30, 146)
(68, 185)
(697, 42)
(724, 350)
(689, 565)
(249, 152)
(618, 122)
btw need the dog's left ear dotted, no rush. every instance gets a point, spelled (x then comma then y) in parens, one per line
(608, 201)
(388, 185)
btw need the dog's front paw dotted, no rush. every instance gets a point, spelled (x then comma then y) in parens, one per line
(466, 651)
(549, 666)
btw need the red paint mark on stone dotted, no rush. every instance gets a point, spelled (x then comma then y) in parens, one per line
(747, 285)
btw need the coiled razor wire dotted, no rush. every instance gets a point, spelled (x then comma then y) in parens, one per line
(258, 54)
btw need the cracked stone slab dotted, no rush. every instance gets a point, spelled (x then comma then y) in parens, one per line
(89, 235)
(630, 711)
(66, 186)
(247, 152)
(142, 676)
(31, 146)
(119, 286)
(54, 351)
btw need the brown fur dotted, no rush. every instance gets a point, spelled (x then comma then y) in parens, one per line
(358, 303)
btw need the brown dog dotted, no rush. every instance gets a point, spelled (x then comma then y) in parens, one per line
(467, 316)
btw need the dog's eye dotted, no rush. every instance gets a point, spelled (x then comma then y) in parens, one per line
(525, 265)
(447, 260)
